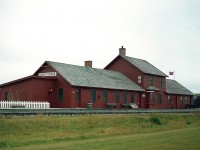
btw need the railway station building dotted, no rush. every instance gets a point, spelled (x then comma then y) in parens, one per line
(126, 82)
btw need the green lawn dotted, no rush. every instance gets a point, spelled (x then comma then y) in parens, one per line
(127, 132)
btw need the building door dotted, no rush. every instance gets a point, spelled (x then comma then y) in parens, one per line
(124, 97)
(78, 97)
(139, 100)
(132, 98)
(174, 102)
(50, 100)
(147, 97)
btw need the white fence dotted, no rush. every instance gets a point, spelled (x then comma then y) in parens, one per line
(24, 104)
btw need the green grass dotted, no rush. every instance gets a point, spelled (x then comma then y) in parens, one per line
(153, 131)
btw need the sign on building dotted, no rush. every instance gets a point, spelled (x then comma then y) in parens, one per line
(47, 74)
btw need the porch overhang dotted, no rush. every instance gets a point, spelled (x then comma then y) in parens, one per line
(152, 89)
(129, 105)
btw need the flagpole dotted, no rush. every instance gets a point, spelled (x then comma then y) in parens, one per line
(174, 75)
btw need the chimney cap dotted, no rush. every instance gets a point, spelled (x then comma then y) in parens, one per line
(122, 51)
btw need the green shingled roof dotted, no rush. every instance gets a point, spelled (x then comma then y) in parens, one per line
(173, 87)
(144, 66)
(91, 77)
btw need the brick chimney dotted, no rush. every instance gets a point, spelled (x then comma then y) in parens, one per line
(122, 51)
(88, 63)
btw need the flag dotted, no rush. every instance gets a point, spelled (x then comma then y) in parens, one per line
(171, 73)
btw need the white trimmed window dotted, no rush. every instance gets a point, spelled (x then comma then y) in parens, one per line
(181, 99)
(169, 99)
(151, 80)
(186, 100)
(156, 99)
(160, 82)
(151, 99)
(139, 79)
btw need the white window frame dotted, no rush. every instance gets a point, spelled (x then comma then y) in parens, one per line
(139, 79)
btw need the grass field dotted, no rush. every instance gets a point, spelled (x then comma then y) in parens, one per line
(112, 132)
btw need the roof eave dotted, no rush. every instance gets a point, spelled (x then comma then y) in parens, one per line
(26, 78)
(180, 93)
(109, 88)
(156, 74)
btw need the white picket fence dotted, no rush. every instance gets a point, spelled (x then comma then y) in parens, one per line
(25, 104)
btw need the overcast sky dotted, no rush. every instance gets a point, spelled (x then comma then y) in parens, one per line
(166, 33)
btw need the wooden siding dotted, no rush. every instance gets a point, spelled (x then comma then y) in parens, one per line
(121, 65)
(99, 102)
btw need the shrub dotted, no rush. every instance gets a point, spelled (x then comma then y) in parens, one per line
(3, 144)
(155, 120)
(188, 122)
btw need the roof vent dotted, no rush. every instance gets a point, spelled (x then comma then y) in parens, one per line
(88, 63)
(122, 51)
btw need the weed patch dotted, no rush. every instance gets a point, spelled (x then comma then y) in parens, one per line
(144, 123)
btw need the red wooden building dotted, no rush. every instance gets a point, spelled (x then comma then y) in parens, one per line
(72, 86)
(159, 91)
(125, 82)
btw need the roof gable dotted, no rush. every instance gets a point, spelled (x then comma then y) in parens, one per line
(91, 77)
(144, 66)
(26, 78)
(44, 65)
(173, 87)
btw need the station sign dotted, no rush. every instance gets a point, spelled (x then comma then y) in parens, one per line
(47, 74)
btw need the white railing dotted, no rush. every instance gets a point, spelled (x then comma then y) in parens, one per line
(24, 104)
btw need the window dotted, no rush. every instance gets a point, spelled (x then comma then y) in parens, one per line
(117, 96)
(156, 99)
(151, 98)
(104, 95)
(93, 95)
(160, 99)
(181, 99)
(132, 97)
(189, 100)
(139, 79)
(168, 98)
(150, 80)
(124, 97)
(160, 82)
(60, 94)
(78, 94)
(186, 100)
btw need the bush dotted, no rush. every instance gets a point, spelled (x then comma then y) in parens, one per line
(3, 144)
(188, 122)
(155, 120)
